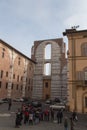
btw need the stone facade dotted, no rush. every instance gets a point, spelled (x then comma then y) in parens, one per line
(77, 69)
(16, 72)
(55, 84)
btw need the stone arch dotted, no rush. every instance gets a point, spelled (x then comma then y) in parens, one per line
(39, 46)
(55, 55)
(37, 43)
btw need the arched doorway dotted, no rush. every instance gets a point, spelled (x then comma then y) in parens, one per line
(84, 102)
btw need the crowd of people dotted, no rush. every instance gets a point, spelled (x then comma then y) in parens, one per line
(32, 115)
(27, 114)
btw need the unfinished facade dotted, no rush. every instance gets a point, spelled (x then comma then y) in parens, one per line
(50, 72)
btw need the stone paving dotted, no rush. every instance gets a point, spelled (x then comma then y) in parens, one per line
(7, 121)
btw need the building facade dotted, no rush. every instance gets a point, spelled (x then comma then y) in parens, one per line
(50, 72)
(77, 69)
(16, 73)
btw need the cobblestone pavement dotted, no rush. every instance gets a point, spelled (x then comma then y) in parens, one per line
(7, 121)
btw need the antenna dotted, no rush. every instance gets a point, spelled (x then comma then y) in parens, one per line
(75, 27)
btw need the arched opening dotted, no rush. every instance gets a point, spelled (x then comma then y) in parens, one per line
(48, 51)
(47, 69)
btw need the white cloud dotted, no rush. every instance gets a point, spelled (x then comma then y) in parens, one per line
(24, 21)
(77, 19)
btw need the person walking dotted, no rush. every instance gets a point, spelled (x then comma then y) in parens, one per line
(74, 116)
(59, 116)
(52, 114)
(21, 116)
(26, 116)
(71, 124)
(31, 118)
(17, 120)
(9, 104)
(66, 125)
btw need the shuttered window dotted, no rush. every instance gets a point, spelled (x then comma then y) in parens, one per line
(85, 76)
(80, 75)
(84, 49)
(85, 101)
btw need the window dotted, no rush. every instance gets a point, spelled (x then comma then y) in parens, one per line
(28, 88)
(19, 61)
(18, 78)
(46, 84)
(26, 79)
(0, 84)
(84, 49)
(13, 76)
(21, 78)
(17, 87)
(48, 51)
(29, 81)
(2, 54)
(31, 88)
(82, 75)
(21, 87)
(6, 85)
(12, 86)
(85, 73)
(47, 69)
(6, 74)
(85, 101)
(1, 73)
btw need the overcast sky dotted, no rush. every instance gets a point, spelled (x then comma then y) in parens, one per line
(24, 21)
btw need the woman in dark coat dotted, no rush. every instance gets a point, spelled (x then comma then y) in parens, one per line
(18, 119)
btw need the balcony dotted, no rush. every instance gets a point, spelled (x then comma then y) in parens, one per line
(81, 83)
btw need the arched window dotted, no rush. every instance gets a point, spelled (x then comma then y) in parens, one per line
(48, 51)
(84, 49)
(47, 69)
